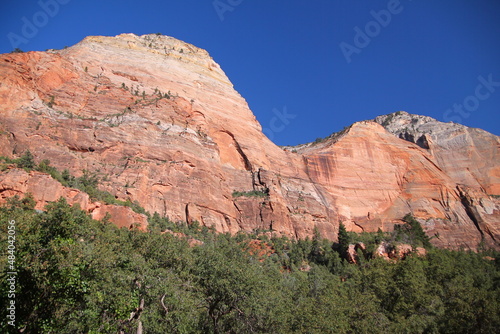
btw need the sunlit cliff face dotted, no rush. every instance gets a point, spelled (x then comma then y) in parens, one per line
(161, 124)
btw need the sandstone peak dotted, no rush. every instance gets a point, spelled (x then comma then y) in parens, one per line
(415, 128)
(469, 155)
(153, 50)
(155, 44)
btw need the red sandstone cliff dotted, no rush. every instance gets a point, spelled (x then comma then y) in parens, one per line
(162, 122)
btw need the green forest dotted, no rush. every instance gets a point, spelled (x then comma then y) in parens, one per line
(78, 275)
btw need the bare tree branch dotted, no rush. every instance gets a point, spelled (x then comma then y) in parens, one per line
(163, 304)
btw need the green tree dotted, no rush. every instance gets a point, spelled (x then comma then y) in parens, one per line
(316, 250)
(26, 161)
(78, 275)
(343, 241)
(227, 279)
(416, 232)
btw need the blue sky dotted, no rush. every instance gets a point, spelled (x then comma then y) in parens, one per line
(325, 63)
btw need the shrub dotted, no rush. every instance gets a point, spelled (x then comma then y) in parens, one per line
(26, 161)
(412, 232)
(252, 193)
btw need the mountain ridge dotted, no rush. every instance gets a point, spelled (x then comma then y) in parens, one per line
(162, 123)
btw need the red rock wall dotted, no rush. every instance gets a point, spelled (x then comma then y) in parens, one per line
(184, 156)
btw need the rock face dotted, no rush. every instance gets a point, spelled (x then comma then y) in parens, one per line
(398, 251)
(470, 157)
(159, 120)
(45, 189)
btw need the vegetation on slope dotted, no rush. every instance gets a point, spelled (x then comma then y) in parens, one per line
(87, 183)
(77, 275)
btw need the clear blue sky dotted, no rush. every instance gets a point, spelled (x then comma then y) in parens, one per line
(421, 56)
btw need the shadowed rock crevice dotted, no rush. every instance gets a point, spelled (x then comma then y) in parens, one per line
(471, 208)
(230, 151)
(420, 141)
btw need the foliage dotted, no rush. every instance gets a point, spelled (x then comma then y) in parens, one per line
(78, 275)
(331, 136)
(319, 140)
(88, 182)
(25, 161)
(251, 193)
(51, 102)
(344, 239)
(412, 233)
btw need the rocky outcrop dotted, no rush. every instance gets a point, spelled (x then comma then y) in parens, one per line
(469, 156)
(397, 251)
(390, 251)
(161, 123)
(45, 189)
(354, 251)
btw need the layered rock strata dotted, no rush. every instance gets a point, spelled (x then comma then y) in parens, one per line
(161, 123)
